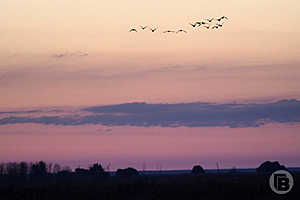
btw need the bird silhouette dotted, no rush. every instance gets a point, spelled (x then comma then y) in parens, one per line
(193, 25)
(206, 23)
(210, 20)
(181, 30)
(153, 29)
(200, 23)
(220, 25)
(220, 19)
(224, 17)
(133, 30)
(168, 31)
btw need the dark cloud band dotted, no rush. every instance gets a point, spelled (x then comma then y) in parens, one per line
(175, 115)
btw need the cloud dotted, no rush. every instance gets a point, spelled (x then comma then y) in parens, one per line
(196, 114)
(72, 54)
(20, 112)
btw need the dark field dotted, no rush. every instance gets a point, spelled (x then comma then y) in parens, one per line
(182, 186)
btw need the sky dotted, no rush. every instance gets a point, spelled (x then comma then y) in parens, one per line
(168, 148)
(73, 54)
(100, 62)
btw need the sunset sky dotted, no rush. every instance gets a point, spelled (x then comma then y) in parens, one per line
(70, 54)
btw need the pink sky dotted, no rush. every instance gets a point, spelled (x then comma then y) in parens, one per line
(173, 148)
(254, 58)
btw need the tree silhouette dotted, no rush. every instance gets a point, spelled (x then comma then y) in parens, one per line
(56, 168)
(38, 169)
(127, 172)
(23, 169)
(96, 169)
(197, 169)
(270, 167)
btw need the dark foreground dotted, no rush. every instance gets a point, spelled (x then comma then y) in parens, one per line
(183, 186)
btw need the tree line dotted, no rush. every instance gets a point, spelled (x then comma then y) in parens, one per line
(42, 169)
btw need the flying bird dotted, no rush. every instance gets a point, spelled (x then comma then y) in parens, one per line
(207, 27)
(220, 25)
(224, 17)
(143, 27)
(219, 19)
(215, 27)
(210, 20)
(200, 23)
(181, 30)
(153, 29)
(168, 31)
(193, 25)
(133, 30)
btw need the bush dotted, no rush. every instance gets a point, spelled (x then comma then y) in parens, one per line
(270, 167)
(127, 172)
(197, 169)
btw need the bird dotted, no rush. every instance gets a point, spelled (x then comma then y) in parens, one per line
(153, 29)
(224, 17)
(210, 20)
(181, 30)
(215, 27)
(207, 27)
(168, 31)
(220, 25)
(143, 27)
(219, 19)
(193, 25)
(200, 23)
(133, 30)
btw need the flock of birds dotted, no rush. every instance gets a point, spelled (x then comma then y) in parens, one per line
(209, 23)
